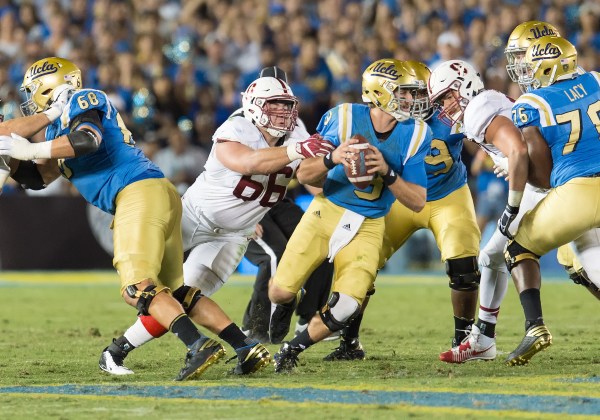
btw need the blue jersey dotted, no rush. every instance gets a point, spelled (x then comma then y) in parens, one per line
(99, 176)
(567, 114)
(404, 151)
(445, 170)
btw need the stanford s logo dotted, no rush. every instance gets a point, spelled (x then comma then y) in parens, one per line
(548, 52)
(44, 69)
(389, 72)
(457, 67)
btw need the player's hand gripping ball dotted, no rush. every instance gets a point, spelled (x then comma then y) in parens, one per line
(357, 170)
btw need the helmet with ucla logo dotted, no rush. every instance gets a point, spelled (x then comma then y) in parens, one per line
(548, 60)
(256, 99)
(382, 80)
(522, 37)
(416, 78)
(42, 78)
(455, 76)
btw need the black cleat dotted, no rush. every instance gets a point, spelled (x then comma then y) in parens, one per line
(347, 350)
(251, 358)
(286, 359)
(200, 357)
(538, 338)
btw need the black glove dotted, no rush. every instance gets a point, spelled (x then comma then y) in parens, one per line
(506, 219)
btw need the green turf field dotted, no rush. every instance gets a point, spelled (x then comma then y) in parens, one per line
(53, 327)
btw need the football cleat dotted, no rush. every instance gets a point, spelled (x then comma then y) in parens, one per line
(347, 350)
(200, 357)
(536, 339)
(475, 346)
(281, 317)
(113, 363)
(286, 359)
(251, 358)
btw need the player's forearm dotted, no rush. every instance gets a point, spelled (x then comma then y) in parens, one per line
(312, 171)
(411, 195)
(24, 126)
(518, 169)
(265, 161)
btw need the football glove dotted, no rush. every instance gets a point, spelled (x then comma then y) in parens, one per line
(60, 97)
(20, 148)
(506, 219)
(314, 146)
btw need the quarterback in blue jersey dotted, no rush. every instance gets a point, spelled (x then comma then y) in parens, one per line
(344, 223)
(560, 121)
(96, 152)
(449, 213)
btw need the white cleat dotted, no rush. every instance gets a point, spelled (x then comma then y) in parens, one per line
(475, 346)
(111, 364)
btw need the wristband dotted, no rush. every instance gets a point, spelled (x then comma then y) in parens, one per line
(328, 161)
(390, 177)
(514, 198)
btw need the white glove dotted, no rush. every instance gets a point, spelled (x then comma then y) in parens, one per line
(60, 97)
(500, 166)
(20, 148)
(4, 170)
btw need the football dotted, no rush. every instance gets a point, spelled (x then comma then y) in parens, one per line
(357, 172)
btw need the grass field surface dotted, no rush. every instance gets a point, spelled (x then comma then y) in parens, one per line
(53, 327)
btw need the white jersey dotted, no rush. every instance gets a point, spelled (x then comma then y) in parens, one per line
(232, 201)
(480, 112)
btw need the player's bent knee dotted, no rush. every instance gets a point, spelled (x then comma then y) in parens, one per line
(339, 311)
(464, 274)
(494, 261)
(516, 253)
(188, 297)
(280, 296)
(203, 278)
(144, 296)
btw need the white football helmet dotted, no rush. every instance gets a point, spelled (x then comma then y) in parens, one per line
(460, 77)
(255, 102)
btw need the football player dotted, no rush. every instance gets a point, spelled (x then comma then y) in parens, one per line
(96, 153)
(252, 161)
(345, 223)
(521, 38)
(560, 121)
(265, 251)
(449, 213)
(456, 88)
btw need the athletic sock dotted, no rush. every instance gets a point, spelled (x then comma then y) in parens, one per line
(302, 340)
(532, 307)
(235, 337)
(185, 330)
(487, 328)
(351, 331)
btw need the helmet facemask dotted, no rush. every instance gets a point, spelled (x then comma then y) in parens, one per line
(451, 106)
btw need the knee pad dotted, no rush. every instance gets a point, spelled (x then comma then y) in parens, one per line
(515, 253)
(464, 274)
(339, 311)
(581, 277)
(145, 296)
(188, 297)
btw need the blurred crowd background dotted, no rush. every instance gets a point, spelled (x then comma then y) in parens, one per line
(175, 69)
